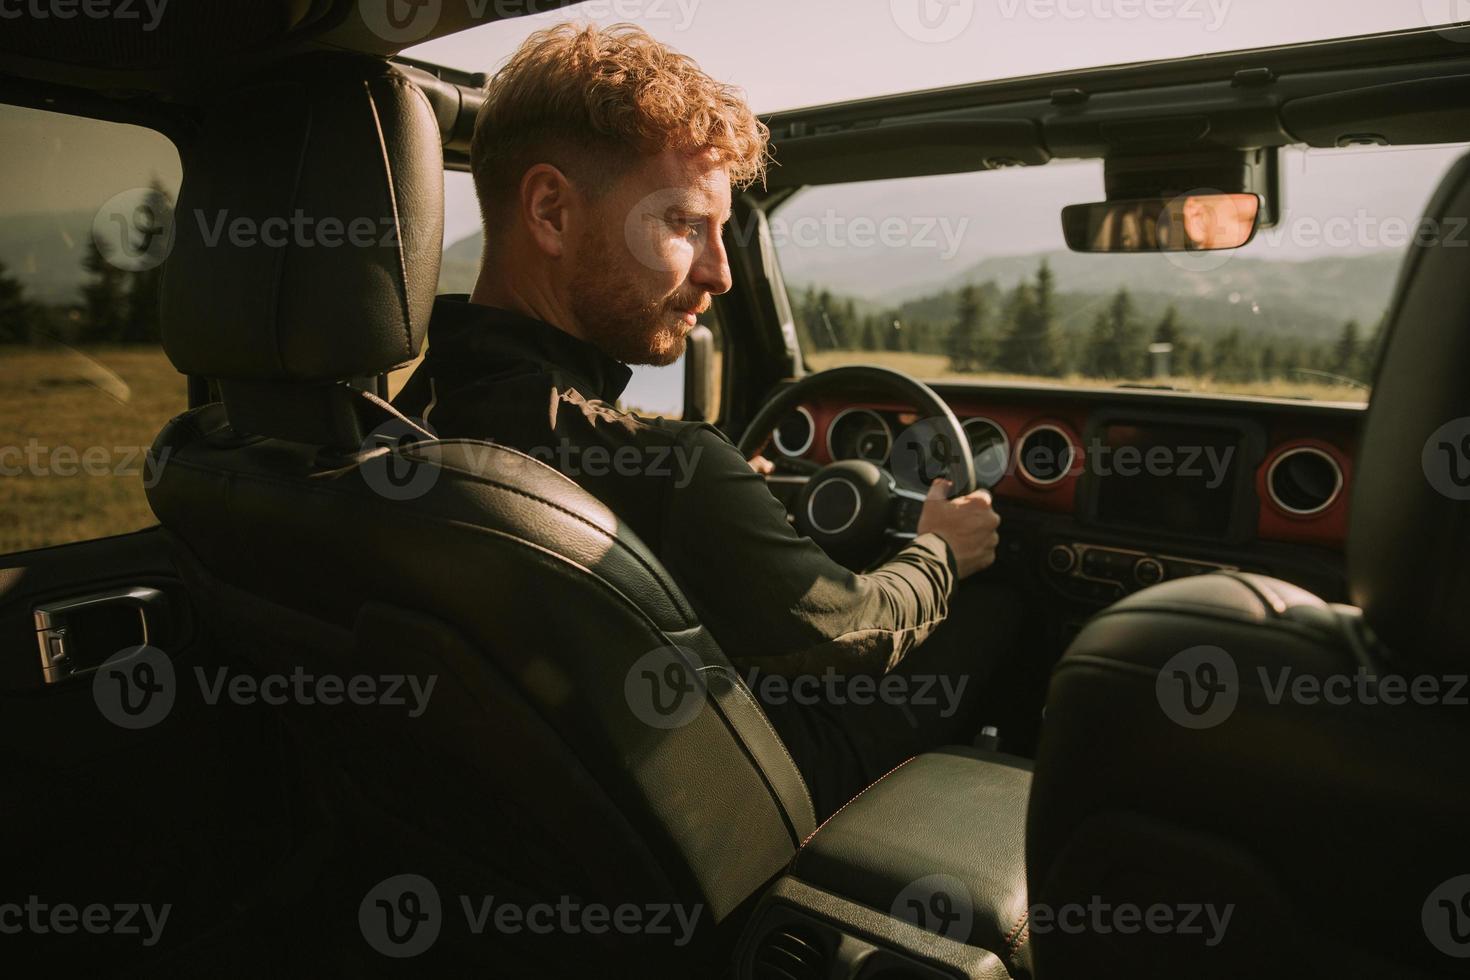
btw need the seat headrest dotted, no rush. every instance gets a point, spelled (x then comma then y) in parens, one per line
(309, 228)
(1409, 537)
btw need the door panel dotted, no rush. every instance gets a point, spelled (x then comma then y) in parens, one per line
(127, 791)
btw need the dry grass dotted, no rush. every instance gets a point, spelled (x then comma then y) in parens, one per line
(935, 367)
(111, 403)
(101, 408)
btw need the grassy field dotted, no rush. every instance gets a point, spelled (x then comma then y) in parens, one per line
(935, 367)
(74, 425)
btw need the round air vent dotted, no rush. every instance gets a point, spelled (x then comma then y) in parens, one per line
(791, 953)
(1304, 480)
(793, 436)
(1045, 455)
(990, 448)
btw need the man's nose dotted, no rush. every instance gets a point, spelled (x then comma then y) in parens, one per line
(711, 269)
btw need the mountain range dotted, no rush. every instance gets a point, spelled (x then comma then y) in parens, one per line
(1310, 299)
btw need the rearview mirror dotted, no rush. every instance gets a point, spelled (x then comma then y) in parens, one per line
(1187, 223)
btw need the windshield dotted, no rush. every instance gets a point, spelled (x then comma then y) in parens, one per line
(788, 54)
(968, 276)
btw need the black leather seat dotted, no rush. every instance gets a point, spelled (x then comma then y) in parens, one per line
(1176, 770)
(323, 531)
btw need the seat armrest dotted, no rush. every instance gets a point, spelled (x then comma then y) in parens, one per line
(939, 842)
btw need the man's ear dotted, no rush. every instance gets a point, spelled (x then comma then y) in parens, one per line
(546, 195)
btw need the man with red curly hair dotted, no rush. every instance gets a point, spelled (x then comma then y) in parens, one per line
(604, 162)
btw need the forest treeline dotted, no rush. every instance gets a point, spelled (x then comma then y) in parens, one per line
(1016, 331)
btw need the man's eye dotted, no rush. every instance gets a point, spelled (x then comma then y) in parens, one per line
(690, 228)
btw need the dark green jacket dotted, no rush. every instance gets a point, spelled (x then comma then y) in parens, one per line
(770, 598)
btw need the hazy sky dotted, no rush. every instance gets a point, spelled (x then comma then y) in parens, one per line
(788, 53)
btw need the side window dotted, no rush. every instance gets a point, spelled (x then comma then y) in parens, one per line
(85, 218)
(659, 391)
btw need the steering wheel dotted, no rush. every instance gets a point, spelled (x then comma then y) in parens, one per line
(853, 507)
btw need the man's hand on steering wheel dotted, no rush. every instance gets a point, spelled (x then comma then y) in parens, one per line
(967, 524)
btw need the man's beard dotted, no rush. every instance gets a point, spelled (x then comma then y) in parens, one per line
(621, 324)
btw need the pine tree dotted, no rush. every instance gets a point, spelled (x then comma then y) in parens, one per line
(1169, 331)
(17, 316)
(104, 298)
(966, 340)
(1347, 352)
(1097, 350)
(1130, 350)
(1030, 345)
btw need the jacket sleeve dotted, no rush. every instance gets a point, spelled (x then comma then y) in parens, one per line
(774, 599)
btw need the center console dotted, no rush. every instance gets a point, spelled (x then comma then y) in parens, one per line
(922, 876)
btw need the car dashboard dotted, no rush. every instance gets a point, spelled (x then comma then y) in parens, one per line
(1107, 491)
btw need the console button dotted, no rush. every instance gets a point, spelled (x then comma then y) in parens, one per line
(1061, 559)
(1148, 571)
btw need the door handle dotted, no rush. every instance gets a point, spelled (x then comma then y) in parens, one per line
(63, 652)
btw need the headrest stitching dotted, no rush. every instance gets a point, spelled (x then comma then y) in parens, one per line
(401, 286)
(278, 279)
